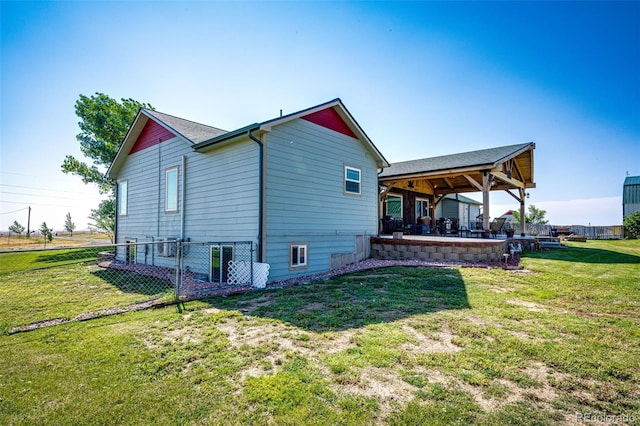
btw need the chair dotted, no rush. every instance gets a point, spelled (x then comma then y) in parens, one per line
(496, 226)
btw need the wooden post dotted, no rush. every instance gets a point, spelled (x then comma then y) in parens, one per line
(522, 218)
(485, 200)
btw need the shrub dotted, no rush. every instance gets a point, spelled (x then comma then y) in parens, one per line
(632, 225)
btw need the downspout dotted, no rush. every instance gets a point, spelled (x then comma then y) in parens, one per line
(183, 186)
(380, 204)
(260, 193)
(115, 219)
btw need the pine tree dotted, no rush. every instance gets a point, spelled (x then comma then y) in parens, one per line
(69, 226)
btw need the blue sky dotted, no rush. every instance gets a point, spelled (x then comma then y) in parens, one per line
(422, 79)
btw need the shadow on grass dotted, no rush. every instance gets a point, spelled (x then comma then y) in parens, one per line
(357, 300)
(68, 255)
(132, 282)
(584, 255)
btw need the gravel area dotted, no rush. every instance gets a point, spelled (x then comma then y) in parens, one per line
(511, 264)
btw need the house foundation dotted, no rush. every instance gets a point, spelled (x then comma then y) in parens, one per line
(439, 249)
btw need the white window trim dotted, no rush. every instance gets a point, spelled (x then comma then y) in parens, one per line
(346, 179)
(298, 264)
(120, 197)
(166, 190)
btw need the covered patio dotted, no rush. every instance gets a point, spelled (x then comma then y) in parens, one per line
(417, 187)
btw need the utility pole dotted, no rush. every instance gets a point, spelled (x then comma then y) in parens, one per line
(29, 223)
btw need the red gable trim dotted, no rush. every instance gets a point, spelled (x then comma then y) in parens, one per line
(152, 134)
(330, 119)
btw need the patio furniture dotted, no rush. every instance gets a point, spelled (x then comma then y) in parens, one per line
(496, 226)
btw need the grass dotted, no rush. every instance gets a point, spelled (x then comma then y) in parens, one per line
(393, 346)
(62, 283)
(62, 239)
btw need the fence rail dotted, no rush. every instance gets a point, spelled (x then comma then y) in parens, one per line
(613, 232)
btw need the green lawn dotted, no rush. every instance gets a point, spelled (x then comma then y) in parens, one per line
(554, 344)
(42, 285)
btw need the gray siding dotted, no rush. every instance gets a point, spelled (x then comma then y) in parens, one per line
(146, 219)
(221, 195)
(305, 196)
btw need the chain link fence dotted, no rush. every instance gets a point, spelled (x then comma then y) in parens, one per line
(75, 280)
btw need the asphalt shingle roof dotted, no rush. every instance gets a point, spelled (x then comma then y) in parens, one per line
(453, 161)
(193, 131)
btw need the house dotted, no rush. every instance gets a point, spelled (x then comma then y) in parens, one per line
(630, 195)
(303, 188)
(463, 209)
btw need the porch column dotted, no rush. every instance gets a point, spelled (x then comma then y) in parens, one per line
(485, 199)
(522, 218)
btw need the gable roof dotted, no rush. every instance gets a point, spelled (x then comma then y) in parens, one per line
(506, 167)
(332, 114)
(472, 159)
(200, 136)
(189, 130)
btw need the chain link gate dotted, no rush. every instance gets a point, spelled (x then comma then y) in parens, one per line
(212, 268)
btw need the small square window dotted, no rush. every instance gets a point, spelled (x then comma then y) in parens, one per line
(297, 255)
(352, 180)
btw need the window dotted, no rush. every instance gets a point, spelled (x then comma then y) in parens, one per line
(422, 208)
(394, 206)
(171, 198)
(352, 180)
(122, 197)
(297, 255)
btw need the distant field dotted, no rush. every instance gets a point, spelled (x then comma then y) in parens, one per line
(557, 343)
(15, 242)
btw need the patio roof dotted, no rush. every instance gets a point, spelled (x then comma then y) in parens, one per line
(508, 168)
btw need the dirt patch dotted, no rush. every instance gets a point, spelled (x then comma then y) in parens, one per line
(383, 385)
(439, 342)
(531, 306)
(545, 393)
(343, 341)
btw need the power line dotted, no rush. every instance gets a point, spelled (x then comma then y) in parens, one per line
(45, 189)
(35, 204)
(40, 196)
(15, 211)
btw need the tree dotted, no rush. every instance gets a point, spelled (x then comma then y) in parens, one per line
(69, 226)
(535, 216)
(632, 225)
(104, 123)
(16, 228)
(104, 217)
(46, 233)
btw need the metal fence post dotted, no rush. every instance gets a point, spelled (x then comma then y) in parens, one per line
(178, 266)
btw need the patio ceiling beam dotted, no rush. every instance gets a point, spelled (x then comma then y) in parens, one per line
(513, 195)
(389, 186)
(504, 178)
(516, 166)
(473, 182)
(448, 182)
